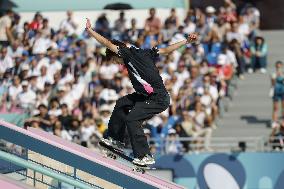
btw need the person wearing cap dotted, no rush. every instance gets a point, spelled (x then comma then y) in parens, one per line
(27, 98)
(173, 146)
(210, 17)
(105, 112)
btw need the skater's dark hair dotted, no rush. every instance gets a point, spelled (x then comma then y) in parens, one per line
(110, 53)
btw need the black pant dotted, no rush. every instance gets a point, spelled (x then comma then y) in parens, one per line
(129, 112)
(4, 43)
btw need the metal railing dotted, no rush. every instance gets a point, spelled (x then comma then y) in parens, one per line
(220, 144)
(44, 171)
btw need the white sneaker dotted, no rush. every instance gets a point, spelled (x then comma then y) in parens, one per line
(250, 70)
(113, 143)
(263, 70)
(146, 160)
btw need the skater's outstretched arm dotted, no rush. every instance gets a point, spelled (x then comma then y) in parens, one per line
(102, 40)
(190, 39)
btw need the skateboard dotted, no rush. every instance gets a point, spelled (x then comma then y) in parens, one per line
(114, 154)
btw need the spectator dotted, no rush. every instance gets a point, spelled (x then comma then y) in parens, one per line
(15, 50)
(201, 129)
(189, 26)
(46, 30)
(102, 26)
(234, 34)
(172, 20)
(277, 136)
(235, 46)
(105, 113)
(133, 32)
(87, 131)
(119, 26)
(5, 29)
(258, 55)
(210, 17)
(6, 61)
(277, 84)
(42, 118)
(65, 118)
(14, 90)
(36, 24)
(26, 98)
(41, 43)
(43, 78)
(68, 25)
(173, 146)
(153, 23)
(61, 132)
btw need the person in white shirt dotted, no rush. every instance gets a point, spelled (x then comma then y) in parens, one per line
(213, 91)
(68, 24)
(87, 131)
(43, 78)
(15, 50)
(234, 34)
(65, 97)
(244, 27)
(41, 44)
(78, 88)
(108, 70)
(207, 101)
(189, 26)
(227, 57)
(106, 94)
(6, 61)
(54, 64)
(32, 67)
(15, 89)
(5, 28)
(105, 113)
(182, 73)
(173, 145)
(27, 98)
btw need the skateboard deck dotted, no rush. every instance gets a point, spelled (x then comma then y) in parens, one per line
(114, 153)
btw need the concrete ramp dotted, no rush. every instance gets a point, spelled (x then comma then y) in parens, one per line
(82, 158)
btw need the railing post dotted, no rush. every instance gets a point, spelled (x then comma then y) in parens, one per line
(75, 175)
(34, 177)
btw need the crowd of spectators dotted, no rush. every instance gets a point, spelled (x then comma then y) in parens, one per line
(69, 87)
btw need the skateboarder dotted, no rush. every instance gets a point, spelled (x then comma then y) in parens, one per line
(150, 96)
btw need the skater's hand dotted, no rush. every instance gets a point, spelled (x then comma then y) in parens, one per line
(192, 38)
(88, 24)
